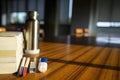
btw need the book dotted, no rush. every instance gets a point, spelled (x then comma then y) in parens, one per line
(11, 51)
(8, 68)
(11, 40)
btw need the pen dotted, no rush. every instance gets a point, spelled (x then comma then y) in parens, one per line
(26, 66)
(22, 66)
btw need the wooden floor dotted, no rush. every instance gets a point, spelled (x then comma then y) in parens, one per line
(75, 62)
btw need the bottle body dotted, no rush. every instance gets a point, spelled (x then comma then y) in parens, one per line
(32, 33)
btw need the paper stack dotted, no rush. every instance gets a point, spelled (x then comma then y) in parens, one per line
(11, 51)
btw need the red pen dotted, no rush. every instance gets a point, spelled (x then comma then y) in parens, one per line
(26, 66)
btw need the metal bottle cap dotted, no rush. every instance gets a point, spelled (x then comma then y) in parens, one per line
(32, 14)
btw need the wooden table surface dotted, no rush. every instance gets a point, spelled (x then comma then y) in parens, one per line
(75, 62)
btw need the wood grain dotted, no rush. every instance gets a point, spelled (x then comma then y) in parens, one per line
(75, 62)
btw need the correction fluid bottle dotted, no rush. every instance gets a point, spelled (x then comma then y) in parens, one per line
(42, 66)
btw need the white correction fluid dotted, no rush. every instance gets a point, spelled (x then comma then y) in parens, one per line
(42, 66)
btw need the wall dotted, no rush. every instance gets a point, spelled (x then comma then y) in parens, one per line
(80, 17)
(9, 6)
(56, 17)
(50, 17)
(64, 11)
(109, 11)
(109, 31)
(85, 14)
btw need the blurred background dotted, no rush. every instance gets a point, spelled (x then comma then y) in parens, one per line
(64, 17)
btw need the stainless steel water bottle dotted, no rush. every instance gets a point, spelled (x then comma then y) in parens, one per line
(32, 33)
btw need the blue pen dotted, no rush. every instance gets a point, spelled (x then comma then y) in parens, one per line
(22, 66)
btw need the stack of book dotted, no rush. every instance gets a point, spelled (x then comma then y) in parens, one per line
(11, 51)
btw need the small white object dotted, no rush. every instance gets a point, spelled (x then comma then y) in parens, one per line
(33, 64)
(42, 66)
(32, 68)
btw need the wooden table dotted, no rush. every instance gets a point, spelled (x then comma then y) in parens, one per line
(75, 62)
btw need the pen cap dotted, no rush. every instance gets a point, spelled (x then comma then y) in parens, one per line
(43, 60)
(32, 14)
